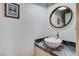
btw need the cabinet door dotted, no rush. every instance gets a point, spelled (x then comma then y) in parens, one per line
(40, 52)
(49, 54)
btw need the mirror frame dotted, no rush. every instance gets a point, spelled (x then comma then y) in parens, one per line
(50, 21)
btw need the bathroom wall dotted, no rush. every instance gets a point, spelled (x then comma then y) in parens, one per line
(17, 35)
(7, 33)
(68, 33)
(32, 27)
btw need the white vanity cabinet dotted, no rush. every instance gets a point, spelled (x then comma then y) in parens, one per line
(39, 52)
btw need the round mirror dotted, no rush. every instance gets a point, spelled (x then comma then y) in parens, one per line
(60, 17)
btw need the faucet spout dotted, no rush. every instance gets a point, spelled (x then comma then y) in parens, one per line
(57, 35)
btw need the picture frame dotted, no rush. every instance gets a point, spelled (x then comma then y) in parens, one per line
(12, 10)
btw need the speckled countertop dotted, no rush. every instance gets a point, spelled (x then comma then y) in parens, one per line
(66, 48)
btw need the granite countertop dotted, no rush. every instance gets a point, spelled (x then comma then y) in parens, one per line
(66, 48)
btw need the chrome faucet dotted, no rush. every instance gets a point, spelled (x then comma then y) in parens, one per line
(57, 35)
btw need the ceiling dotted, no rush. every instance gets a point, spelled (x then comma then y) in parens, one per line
(45, 4)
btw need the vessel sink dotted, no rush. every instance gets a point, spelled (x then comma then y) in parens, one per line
(53, 42)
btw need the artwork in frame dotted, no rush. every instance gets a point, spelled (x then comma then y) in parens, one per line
(12, 10)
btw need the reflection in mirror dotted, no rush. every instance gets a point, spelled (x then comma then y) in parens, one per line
(61, 17)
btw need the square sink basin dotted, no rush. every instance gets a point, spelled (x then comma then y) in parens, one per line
(53, 42)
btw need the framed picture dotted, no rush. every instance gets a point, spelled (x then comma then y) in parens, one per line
(12, 10)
